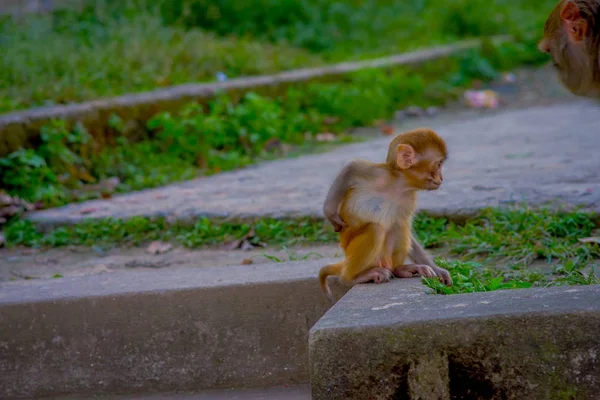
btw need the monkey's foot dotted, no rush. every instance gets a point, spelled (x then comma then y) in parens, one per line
(412, 270)
(377, 275)
(443, 274)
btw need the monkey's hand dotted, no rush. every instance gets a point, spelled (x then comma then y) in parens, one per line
(334, 218)
(412, 270)
(443, 274)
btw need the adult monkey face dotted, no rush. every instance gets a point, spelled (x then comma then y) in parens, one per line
(572, 39)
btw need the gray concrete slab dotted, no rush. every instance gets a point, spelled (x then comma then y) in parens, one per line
(297, 392)
(162, 331)
(535, 155)
(393, 341)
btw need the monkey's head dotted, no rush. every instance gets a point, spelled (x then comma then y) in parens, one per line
(570, 40)
(419, 155)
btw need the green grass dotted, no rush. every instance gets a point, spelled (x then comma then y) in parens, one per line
(139, 230)
(339, 30)
(512, 239)
(64, 58)
(471, 277)
(116, 47)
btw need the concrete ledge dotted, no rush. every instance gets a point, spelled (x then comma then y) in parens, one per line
(17, 128)
(394, 341)
(160, 331)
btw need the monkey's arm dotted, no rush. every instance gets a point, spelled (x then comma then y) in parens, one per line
(345, 180)
(419, 255)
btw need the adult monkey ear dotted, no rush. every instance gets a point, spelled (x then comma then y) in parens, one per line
(575, 25)
(406, 156)
(544, 46)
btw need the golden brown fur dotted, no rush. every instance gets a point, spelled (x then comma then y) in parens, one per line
(372, 206)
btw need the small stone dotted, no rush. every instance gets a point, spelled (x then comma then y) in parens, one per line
(5, 199)
(247, 261)
(509, 78)
(399, 115)
(246, 246)
(414, 111)
(158, 247)
(431, 111)
(325, 137)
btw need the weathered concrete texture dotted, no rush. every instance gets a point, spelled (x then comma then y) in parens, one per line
(535, 155)
(298, 392)
(393, 341)
(18, 263)
(181, 330)
(19, 127)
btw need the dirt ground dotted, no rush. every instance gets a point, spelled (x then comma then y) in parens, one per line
(18, 264)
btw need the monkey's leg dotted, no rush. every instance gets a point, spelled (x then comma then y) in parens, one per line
(363, 255)
(386, 259)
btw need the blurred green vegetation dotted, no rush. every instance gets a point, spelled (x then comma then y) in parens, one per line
(233, 132)
(118, 46)
(358, 28)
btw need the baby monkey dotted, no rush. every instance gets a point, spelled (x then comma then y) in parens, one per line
(372, 206)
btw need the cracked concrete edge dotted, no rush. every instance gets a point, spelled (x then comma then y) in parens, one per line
(18, 127)
(526, 343)
(160, 331)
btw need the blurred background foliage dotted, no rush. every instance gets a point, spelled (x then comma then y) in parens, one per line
(110, 47)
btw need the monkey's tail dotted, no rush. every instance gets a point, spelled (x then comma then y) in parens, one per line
(331, 269)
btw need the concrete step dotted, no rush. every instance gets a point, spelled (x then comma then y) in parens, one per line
(298, 392)
(496, 159)
(395, 341)
(162, 331)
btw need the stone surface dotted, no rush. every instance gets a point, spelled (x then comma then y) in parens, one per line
(19, 263)
(379, 340)
(537, 155)
(298, 392)
(181, 330)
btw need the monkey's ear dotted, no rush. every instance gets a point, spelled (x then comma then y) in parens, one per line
(544, 46)
(574, 24)
(405, 156)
